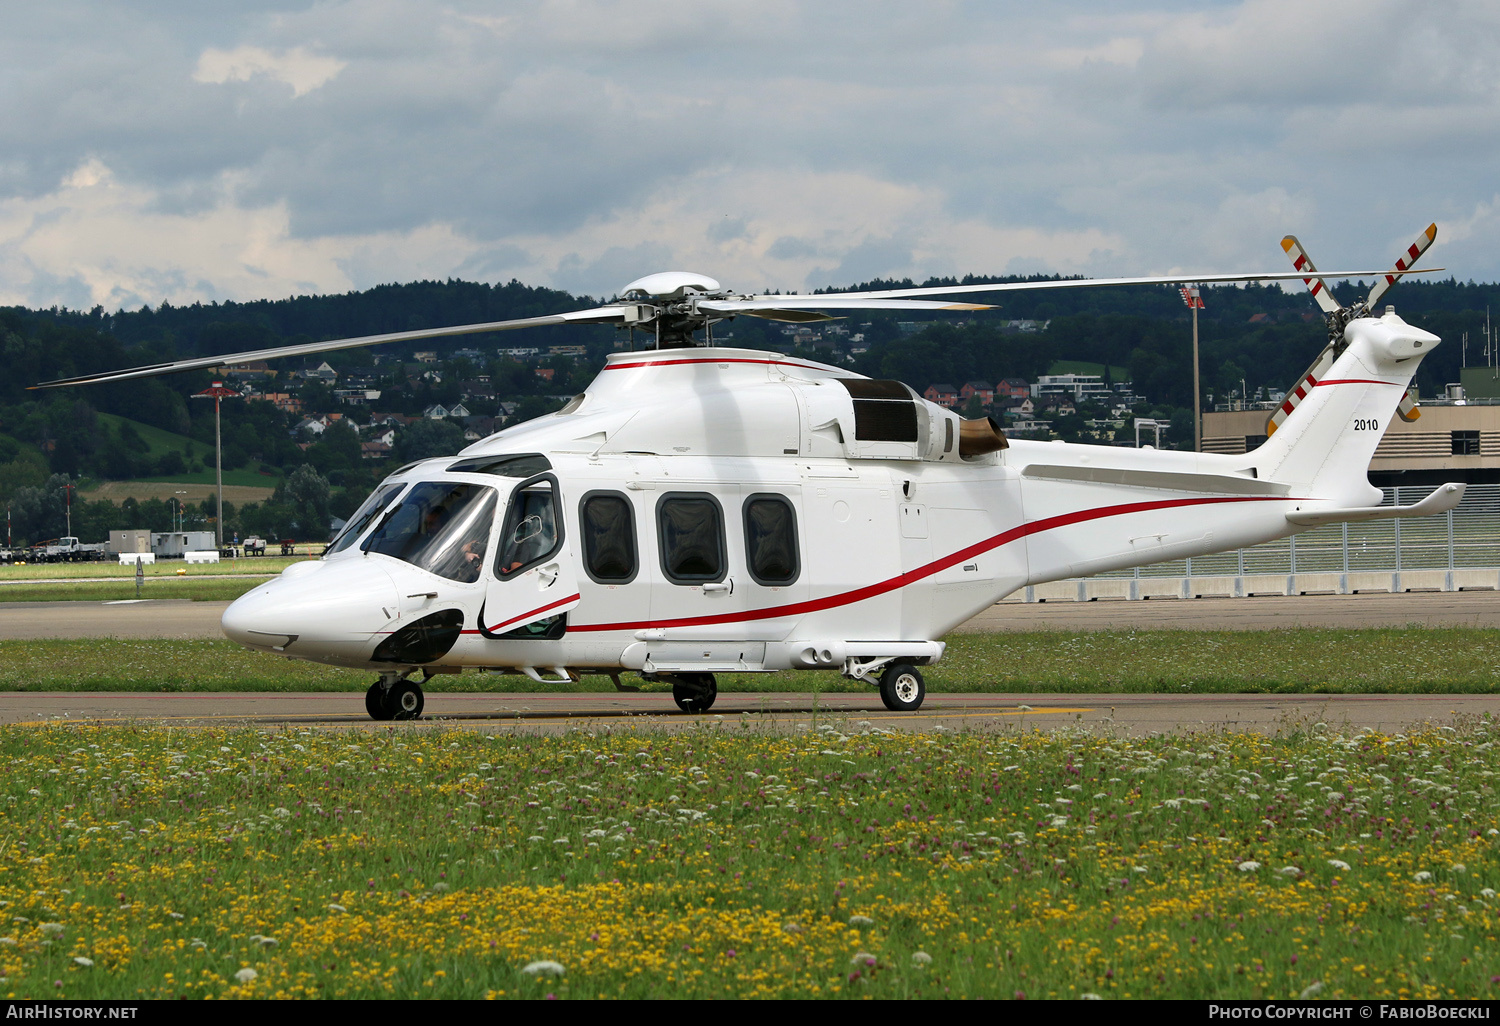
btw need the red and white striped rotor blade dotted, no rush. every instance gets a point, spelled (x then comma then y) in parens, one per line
(1415, 250)
(1316, 285)
(1298, 392)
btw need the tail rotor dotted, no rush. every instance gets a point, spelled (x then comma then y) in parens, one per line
(1338, 318)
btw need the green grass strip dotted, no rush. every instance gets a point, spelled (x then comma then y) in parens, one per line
(1377, 661)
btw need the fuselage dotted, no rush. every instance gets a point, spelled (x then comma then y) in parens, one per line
(728, 510)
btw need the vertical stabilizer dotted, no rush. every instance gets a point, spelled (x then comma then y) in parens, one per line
(1324, 446)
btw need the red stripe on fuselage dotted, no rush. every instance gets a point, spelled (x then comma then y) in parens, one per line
(535, 612)
(912, 576)
(1355, 381)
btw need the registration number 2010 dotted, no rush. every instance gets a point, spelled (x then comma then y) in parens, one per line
(1366, 424)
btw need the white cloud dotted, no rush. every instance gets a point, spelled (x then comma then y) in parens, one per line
(299, 68)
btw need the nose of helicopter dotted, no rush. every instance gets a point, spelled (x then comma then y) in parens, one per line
(329, 612)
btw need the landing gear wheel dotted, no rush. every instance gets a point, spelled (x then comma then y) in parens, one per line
(902, 688)
(375, 702)
(404, 701)
(694, 692)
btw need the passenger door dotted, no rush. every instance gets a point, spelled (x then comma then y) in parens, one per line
(532, 583)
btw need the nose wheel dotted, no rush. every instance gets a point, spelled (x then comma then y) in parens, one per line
(402, 700)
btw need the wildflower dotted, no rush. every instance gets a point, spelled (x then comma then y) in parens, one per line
(85, 962)
(861, 921)
(1488, 892)
(1422, 877)
(1290, 871)
(1311, 990)
(1459, 867)
(791, 927)
(543, 968)
(246, 974)
(863, 958)
(337, 908)
(51, 929)
(1249, 866)
(1089, 997)
(920, 958)
(175, 915)
(1338, 864)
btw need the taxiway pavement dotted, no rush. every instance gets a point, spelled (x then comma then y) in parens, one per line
(1124, 714)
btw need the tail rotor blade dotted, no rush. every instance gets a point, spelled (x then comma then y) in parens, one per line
(1415, 250)
(1316, 285)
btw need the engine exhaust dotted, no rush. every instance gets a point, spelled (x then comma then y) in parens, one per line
(977, 437)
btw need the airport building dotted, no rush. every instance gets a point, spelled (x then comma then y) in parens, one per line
(1451, 440)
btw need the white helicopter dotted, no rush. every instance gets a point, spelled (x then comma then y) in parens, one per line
(701, 510)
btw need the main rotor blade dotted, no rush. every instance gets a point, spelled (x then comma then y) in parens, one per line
(1403, 265)
(833, 302)
(599, 315)
(1081, 283)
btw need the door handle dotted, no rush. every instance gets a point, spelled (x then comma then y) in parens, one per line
(725, 586)
(547, 576)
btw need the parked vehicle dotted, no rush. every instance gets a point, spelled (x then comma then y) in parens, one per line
(255, 546)
(68, 550)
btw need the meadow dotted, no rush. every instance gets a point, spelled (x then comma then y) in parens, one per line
(844, 861)
(1372, 661)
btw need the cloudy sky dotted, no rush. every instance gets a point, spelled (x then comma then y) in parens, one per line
(169, 150)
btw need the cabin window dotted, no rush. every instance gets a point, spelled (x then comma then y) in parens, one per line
(442, 527)
(532, 532)
(368, 512)
(690, 528)
(771, 540)
(606, 523)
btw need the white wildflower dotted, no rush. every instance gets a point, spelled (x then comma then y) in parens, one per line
(51, 929)
(543, 968)
(1290, 871)
(1488, 892)
(921, 958)
(1422, 877)
(1339, 864)
(861, 921)
(1249, 866)
(1312, 990)
(791, 927)
(85, 962)
(1459, 867)
(1090, 996)
(337, 908)
(862, 958)
(246, 974)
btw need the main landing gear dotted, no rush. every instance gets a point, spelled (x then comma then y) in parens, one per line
(902, 688)
(693, 692)
(394, 699)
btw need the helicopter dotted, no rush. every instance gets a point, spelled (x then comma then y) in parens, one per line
(701, 510)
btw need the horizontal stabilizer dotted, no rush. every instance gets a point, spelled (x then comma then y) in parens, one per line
(1440, 501)
(1221, 484)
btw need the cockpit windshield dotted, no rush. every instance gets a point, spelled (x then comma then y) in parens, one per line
(366, 515)
(442, 527)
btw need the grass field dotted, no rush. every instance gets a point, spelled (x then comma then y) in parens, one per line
(119, 491)
(163, 570)
(198, 589)
(843, 863)
(1414, 660)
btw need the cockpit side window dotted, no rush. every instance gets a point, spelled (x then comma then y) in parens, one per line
(442, 527)
(368, 512)
(533, 531)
